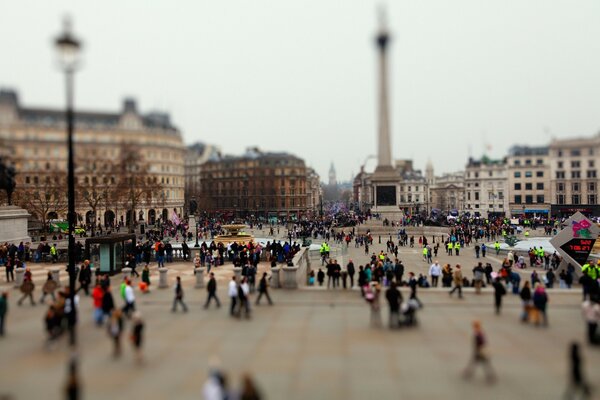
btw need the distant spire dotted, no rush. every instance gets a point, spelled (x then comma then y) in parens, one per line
(332, 175)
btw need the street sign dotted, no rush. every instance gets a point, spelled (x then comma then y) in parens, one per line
(575, 242)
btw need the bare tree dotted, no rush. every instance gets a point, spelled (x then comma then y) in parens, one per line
(95, 177)
(135, 181)
(45, 194)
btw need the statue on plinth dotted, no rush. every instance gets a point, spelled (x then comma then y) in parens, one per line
(7, 179)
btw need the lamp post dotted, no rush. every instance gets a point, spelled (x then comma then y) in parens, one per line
(68, 50)
(197, 244)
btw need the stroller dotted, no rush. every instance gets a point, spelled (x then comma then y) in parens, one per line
(409, 313)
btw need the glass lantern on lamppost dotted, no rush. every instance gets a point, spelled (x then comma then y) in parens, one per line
(68, 50)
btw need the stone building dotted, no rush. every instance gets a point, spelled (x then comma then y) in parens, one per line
(196, 156)
(256, 185)
(486, 187)
(528, 174)
(447, 193)
(574, 178)
(106, 184)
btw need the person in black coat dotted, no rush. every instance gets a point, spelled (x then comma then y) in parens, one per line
(351, 271)
(499, 291)
(211, 288)
(263, 289)
(85, 277)
(320, 277)
(394, 299)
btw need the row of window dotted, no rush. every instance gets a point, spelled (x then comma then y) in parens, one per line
(529, 174)
(490, 206)
(529, 186)
(575, 152)
(491, 196)
(528, 161)
(576, 186)
(592, 199)
(576, 164)
(529, 199)
(576, 174)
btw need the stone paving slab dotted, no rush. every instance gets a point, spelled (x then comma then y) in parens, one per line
(313, 343)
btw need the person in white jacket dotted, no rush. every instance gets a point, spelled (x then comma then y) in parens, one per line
(435, 271)
(233, 294)
(129, 299)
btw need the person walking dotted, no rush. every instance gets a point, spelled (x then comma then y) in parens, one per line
(526, 301)
(49, 288)
(146, 277)
(499, 292)
(394, 299)
(233, 295)
(540, 301)
(85, 277)
(577, 383)
(435, 270)
(457, 278)
(480, 356)
(372, 295)
(351, 271)
(136, 336)
(3, 311)
(115, 329)
(263, 289)
(244, 296)
(178, 296)
(478, 274)
(108, 302)
(591, 313)
(10, 269)
(97, 295)
(27, 287)
(211, 288)
(129, 299)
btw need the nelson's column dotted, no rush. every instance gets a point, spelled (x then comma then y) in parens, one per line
(384, 181)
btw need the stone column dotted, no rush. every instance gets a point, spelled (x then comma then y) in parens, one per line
(163, 282)
(19, 279)
(199, 277)
(384, 149)
(56, 276)
(275, 277)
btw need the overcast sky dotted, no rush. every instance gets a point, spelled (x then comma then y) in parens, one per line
(300, 76)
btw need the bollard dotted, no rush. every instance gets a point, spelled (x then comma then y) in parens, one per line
(199, 272)
(56, 276)
(126, 271)
(238, 273)
(275, 277)
(379, 239)
(19, 278)
(162, 278)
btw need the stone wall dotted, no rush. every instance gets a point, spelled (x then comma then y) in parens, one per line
(296, 276)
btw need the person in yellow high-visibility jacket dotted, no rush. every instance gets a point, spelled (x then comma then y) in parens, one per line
(497, 247)
(450, 247)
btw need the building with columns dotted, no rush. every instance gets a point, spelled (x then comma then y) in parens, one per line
(38, 142)
(447, 193)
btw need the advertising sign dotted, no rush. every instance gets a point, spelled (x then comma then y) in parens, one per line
(576, 240)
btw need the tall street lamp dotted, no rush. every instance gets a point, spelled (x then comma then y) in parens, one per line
(68, 50)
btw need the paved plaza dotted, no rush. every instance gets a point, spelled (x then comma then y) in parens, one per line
(312, 344)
